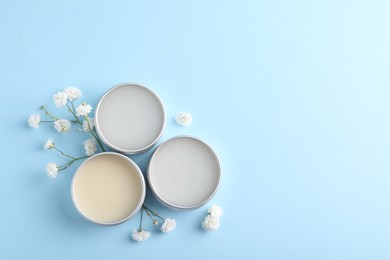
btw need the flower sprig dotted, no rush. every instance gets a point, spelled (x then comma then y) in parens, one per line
(81, 117)
(52, 168)
(167, 226)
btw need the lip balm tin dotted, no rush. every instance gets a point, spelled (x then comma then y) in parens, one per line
(184, 173)
(130, 118)
(108, 188)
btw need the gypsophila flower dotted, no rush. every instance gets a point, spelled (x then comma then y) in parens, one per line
(168, 225)
(60, 99)
(90, 146)
(51, 170)
(88, 124)
(210, 223)
(140, 236)
(215, 211)
(34, 120)
(184, 118)
(62, 125)
(72, 93)
(49, 144)
(83, 110)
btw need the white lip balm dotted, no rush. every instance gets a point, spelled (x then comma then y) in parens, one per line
(108, 188)
(184, 173)
(130, 118)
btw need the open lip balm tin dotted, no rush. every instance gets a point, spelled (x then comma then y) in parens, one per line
(184, 173)
(108, 188)
(130, 118)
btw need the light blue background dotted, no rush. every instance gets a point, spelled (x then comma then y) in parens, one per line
(292, 95)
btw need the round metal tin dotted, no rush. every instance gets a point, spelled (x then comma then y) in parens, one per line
(182, 174)
(131, 213)
(130, 118)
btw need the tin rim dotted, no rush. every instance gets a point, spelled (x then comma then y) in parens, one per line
(169, 204)
(143, 189)
(129, 151)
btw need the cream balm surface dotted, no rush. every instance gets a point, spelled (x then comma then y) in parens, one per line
(108, 188)
(130, 118)
(184, 173)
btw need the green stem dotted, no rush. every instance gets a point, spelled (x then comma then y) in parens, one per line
(51, 121)
(86, 117)
(89, 125)
(155, 222)
(83, 157)
(47, 113)
(97, 139)
(66, 165)
(93, 133)
(140, 222)
(72, 105)
(62, 153)
(74, 114)
(154, 213)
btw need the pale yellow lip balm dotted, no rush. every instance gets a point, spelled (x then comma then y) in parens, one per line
(108, 188)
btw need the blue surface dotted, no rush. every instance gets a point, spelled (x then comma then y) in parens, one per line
(292, 95)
